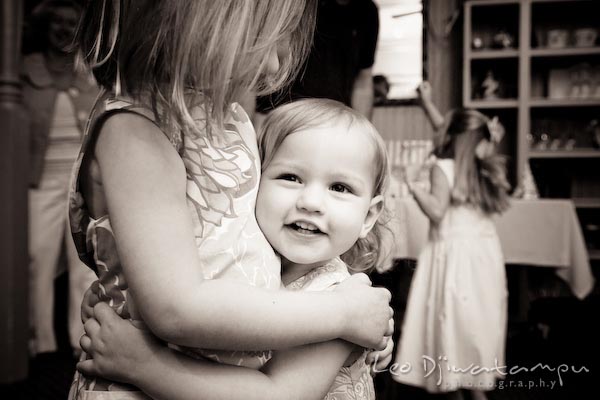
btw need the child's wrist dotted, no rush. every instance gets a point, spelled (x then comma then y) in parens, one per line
(145, 373)
(344, 326)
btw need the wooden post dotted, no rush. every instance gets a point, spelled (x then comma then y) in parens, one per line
(14, 161)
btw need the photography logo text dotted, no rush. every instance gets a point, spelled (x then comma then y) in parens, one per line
(438, 368)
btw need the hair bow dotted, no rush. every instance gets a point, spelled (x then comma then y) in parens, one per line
(486, 147)
(496, 130)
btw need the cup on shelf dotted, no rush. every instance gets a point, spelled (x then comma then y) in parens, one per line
(557, 38)
(555, 144)
(585, 37)
(543, 143)
(569, 144)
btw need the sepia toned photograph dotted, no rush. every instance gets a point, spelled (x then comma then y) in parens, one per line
(299, 199)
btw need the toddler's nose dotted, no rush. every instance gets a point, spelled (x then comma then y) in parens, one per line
(311, 199)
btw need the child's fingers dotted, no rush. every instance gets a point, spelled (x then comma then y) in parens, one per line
(86, 343)
(91, 327)
(362, 277)
(390, 329)
(104, 313)
(381, 364)
(90, 299)
(86, 367)
(379, 356)
(372, 356)
(382, 344)
(388, 296)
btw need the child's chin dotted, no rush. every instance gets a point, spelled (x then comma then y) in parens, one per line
(303, 260)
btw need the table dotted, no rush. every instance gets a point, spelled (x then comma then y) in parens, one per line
(541, 232)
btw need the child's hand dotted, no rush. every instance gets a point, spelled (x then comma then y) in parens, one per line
(381, 359)
(424, 91)
(412, 172)
(118, 349)
(370, 318)
(90, 299)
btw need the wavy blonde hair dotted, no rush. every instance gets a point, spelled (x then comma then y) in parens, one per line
(309, 113)
(480, 182)
(193, 52)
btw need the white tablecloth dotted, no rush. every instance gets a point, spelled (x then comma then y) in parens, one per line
(542, 232)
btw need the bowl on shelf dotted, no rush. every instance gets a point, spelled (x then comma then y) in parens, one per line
(557, 38)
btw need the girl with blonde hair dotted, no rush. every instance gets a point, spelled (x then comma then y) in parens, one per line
(454, 329)
(163, 193)
(320, 203)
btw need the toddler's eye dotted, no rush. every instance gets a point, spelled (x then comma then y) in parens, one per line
(341, 188)
(289, 177)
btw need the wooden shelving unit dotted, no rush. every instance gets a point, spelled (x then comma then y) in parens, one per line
(579, 153)
(564, 103)
(565, 52)
(483, 54)
(493, 104)
(530, 107)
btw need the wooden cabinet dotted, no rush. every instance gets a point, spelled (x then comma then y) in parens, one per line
(536, 65)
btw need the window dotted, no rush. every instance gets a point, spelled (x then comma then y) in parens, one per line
(399, 56)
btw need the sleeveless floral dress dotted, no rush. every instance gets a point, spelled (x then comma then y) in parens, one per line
(353, 382)
(223, 172)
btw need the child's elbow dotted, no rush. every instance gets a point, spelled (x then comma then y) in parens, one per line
(436, 218)
(165, 322)
(433, 215)
(436, 214)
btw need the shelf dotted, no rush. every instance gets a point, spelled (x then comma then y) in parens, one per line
(564, 102)
(500, 103)
(493, 2)
(526, 74)
(491, 54)
(557, 1)
(567, 51)
(582, 153)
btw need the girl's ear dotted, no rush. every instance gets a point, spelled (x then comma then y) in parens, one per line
(375, 210)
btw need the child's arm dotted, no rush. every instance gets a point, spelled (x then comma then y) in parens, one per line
(144, 181)
(434, 203)
(123, 353)
(434, 115)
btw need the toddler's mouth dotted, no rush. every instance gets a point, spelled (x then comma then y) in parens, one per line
(305, 227)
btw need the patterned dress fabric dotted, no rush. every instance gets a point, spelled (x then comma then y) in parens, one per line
(454, 328)
(223, 172)
(353, 382)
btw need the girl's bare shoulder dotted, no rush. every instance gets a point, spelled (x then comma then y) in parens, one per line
(135, 137)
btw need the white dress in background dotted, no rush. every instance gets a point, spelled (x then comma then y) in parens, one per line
(454, 327)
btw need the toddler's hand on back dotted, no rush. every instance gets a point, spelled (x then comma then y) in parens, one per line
(370, 318)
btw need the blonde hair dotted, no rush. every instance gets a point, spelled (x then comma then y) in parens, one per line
(193, 52)
(480, 182)
(309, 113)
